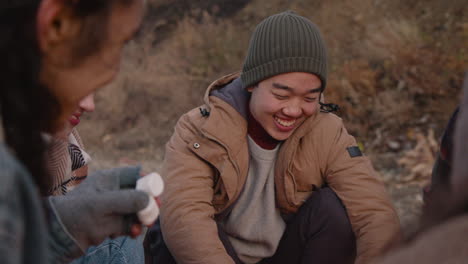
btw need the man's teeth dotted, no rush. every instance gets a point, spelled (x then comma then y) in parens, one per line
(285, 122)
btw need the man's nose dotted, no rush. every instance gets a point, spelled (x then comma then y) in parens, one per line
(293, 110)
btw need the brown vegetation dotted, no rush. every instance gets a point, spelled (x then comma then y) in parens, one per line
(396, 70)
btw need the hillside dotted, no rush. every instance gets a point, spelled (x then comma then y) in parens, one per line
(396, 70)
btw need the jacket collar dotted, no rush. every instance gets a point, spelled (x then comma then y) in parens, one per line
(225, 113)
(229, 89)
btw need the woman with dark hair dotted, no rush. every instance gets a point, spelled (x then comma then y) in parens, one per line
(67, 164)
(54, 53)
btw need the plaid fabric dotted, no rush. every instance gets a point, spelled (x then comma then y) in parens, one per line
(67, 162)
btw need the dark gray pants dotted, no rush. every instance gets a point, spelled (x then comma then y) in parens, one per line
(320, 232)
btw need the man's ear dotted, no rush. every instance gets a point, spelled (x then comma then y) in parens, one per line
(56, 25)
(250, 88)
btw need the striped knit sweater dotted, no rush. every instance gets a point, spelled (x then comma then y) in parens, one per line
(67, 162)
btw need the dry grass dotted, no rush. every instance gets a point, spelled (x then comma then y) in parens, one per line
(420, 160)
(395, 70)
(157, 84)
(389, 71)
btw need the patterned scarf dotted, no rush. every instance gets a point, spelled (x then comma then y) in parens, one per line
(67, 163)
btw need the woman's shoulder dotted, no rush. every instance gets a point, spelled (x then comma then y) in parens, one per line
(8, 161)
(12, 172)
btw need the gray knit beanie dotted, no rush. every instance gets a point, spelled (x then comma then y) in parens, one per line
(283, 43)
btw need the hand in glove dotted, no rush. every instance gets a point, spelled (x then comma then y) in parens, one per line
(102, 206)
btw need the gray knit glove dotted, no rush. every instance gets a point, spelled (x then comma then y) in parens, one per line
(100, 207)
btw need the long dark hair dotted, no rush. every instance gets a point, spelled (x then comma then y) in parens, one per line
(27, 108)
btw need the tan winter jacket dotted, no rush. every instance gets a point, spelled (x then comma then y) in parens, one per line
(206, 166)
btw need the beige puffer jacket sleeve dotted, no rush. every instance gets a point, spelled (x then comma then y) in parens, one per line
(187, 213)
(373, 218)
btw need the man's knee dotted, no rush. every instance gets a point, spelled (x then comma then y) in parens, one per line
(335, 212)
(326, 214)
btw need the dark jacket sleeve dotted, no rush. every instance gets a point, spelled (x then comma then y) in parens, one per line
(460, 166)
(443, 164)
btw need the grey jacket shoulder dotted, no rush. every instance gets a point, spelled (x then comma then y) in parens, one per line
(25, 234)
(23, 230)
(11, 172)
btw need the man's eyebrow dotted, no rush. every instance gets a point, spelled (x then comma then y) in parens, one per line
(282, 86)
(287, 88)
(316, 90)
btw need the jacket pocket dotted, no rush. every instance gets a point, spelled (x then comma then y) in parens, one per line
(215, 156)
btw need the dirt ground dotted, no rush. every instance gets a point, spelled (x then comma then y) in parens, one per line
(396, 69)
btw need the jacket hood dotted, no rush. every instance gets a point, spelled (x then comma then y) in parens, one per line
(235, 95)
(230, 90)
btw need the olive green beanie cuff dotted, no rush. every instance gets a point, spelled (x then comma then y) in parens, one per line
(284, 65)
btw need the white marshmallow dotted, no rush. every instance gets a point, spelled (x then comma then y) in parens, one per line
(153, 185)
(148, 215)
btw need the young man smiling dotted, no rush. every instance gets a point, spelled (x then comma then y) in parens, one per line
(283, 102)
(259, 174)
